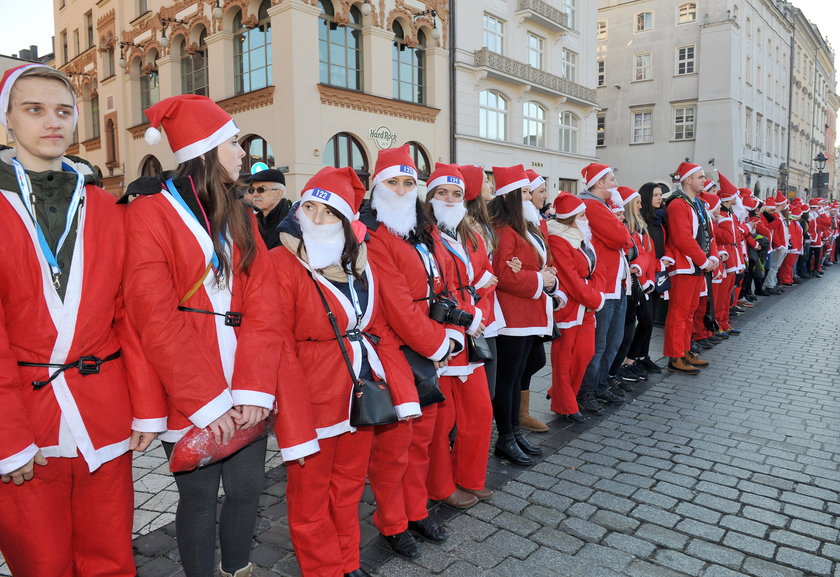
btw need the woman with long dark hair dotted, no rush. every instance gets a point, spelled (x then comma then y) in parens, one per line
(526, 299)
(200, 290)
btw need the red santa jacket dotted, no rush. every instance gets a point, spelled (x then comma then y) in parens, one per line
(611, 241)
(491, 313)
(728, 239)
(36, 326)
(526, 307)
(205, 365)
(575, 271)
(777, 232)
(797, 240)
(814, 230)
(682, 246)
(645, 264)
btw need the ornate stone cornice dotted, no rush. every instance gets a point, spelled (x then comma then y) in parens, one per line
(106, 19)
(138, 131)
(92, 144)
(376, 104)
(248, 101)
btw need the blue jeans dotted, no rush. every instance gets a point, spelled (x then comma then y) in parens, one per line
(609, 332)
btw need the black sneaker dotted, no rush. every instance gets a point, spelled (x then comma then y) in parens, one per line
(404, 544)
(589, 404)
(649, 365)
(610, 397)
(617, 382)
(639, 370)
(626, 373)
(705, 343)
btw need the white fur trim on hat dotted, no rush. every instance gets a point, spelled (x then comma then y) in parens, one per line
(445, 179)
(513, 186)
(636, 194)
(329, 198)
(5, 93)
(591, 182)
(392, 171)
(537, 182)
(577, 210)
(690, 172)
(196, 149)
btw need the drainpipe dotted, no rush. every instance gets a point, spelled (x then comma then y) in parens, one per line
(452, 91)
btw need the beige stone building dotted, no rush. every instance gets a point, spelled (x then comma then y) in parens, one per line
(309, 82)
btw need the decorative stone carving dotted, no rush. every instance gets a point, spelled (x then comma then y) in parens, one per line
(342, 98)
(248, 101)
(92, 144)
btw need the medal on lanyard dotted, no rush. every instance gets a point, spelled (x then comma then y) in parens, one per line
(29, 201)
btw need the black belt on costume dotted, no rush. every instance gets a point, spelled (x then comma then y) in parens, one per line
(87, 365)
(232, 319)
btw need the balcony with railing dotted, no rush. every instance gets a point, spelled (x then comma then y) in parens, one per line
(543, 14)
(507, 69)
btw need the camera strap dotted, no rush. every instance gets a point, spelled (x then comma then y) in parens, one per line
(432, 268)
(334, 323)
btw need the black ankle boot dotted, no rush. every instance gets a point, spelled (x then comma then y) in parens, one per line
(507, 449)
(527, 446)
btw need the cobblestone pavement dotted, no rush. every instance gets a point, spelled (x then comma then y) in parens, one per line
(732, 473)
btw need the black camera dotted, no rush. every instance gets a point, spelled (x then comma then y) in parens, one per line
(444, 309)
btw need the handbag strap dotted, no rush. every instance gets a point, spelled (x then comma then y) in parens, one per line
(334, 324)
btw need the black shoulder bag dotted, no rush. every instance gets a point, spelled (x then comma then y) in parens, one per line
(371, 403)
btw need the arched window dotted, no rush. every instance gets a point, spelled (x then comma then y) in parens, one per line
(344, 150)
(150, 166)
(533, 124)
(252, 52)
(194, 66)
(110, 142)
(256, 150)
(340, 48)
(409, 72)
(568, 133)
(95, 131)
(687, 13)
(492, 115)
(421, 160)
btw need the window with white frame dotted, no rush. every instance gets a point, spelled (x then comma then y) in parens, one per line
(749, 27)
(492, 115)
(601, 30)
(535, 51)
(568, 132)
(601, 138)
(602, 72)
(748, 71)
(533, 124)
(684, 121)
(570, 9)
(758, 127)
(748, 129)
(686, 13)
(494, 34)
(768, 135)
(644, 21)
(642, 69)
(642, 129)
(758, 78)
(685, 60)
(570, 62)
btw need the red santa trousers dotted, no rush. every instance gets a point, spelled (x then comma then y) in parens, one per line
(389, 461)
(570, 355)
(684, 297)
(468, 406)
(786, 270)
(723, 300)
(69, 522)
(698, 327)
(323, 498)
(415, 494)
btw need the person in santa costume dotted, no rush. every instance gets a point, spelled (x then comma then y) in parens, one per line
(527, 299)
(612, 277)
(467, 408)
(774, 216)
(403, 243)
(690, 245)
(72, 366)
(727, 239)
(795, 247)
(572, 252)
(815, 233)
(325, 272)
(201, 292)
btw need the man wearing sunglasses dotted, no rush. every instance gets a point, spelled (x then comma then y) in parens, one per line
(265, 193)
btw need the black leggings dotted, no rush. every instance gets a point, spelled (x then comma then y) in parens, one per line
(512, 357)
(243, 477)
(535, 361)
(639, 347)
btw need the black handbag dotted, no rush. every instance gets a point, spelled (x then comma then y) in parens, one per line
(425, 377)
(478, 350)
(371, 403)
(662, 282)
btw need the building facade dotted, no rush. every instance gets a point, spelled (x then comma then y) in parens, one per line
(309, 82)
(524, 86)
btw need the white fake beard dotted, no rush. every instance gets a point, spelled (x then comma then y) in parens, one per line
(324, 243)
(739, 210)
(530, 212)
(615, 196)
(585, 231)
(448, 217)
(398, 213)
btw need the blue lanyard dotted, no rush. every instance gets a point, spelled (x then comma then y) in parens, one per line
(422, 248)
(28, 201)
(170, 186)
(451, 249)
(701, 210)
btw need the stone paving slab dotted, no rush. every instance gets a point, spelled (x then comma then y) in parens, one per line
(731, 473)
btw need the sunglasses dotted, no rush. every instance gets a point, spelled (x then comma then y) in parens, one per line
(260, 190)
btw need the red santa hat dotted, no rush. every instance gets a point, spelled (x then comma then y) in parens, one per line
(339, 188)
(194, 125)
(7, 82)
(796, 211)
(446, 174)
(536, 179)
(473, 180)
(727, 190)
(814, 202)
(712, 200)
(393, 162)
(781, 200)
(509, 178)
(627, 194)
(615, 207)
(745, 192)
(567, 205)
(750, 202)
(686, 169)
(709, 184)
(770, 202)
(594, 172)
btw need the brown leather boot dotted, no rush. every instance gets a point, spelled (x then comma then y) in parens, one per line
(681, 365)
(461, 499)
(695, 361)
(526, 421)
